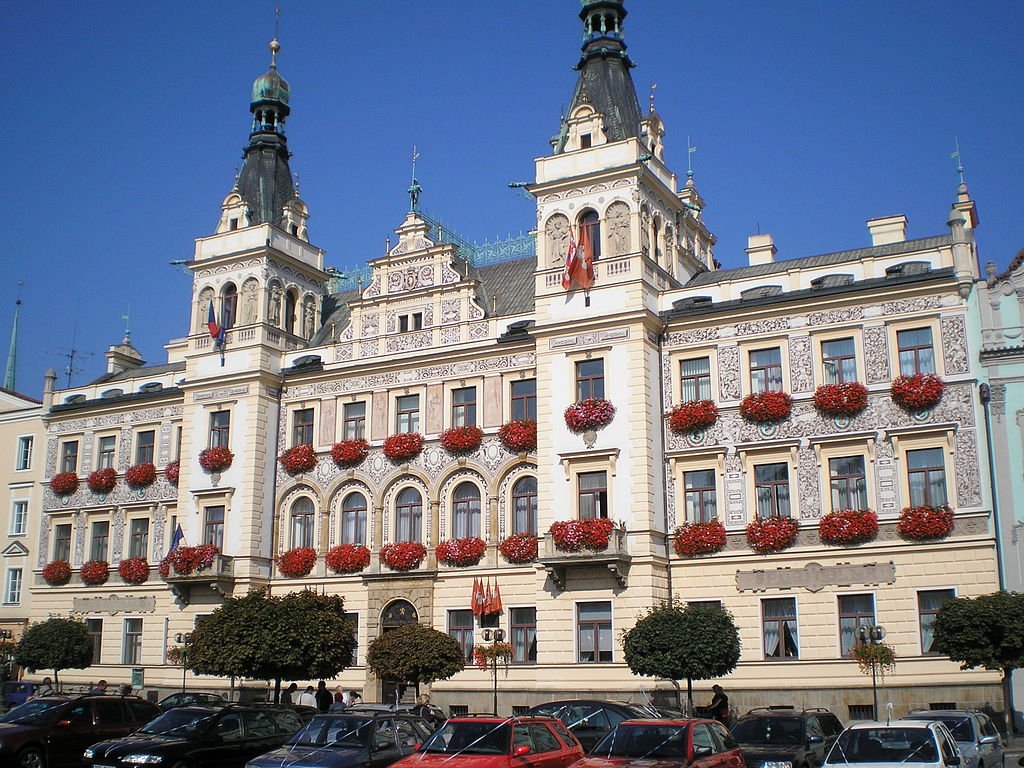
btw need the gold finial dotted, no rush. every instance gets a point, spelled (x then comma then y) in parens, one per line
(274, 48)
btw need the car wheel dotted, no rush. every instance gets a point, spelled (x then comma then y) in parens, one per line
(31, 758)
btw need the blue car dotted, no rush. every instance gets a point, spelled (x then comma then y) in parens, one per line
(15, 693)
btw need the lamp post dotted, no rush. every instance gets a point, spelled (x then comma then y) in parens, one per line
(183, 638)
(872, 635)
(494, 636)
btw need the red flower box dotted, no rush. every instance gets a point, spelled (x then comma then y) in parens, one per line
(57, 573)
(766, 407)
(172, 471)
(140, 476)
(519, 548)
(102, 480)
(216, 459)
(298, 459)
(575, 535)
(692, 416)
(64, 483)
(925, 523)
(461, 552)
(918, 392)
(592, 413)
(95, 572)
(694, 539)
(134, 570)
(296, 562)
(403, 555)
(350, 453)
(403, 447)
(459, 441)
(846, 399)
(772, 534)
(185, 561)
(485, 656)
(848, 526)
(519, 436)
(348, 558)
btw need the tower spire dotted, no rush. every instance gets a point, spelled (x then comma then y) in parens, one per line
(10, 374)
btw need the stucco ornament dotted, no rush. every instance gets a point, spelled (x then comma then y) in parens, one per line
(557, 232)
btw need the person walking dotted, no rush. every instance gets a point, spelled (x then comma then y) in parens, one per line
(324, 699)
(288, 693)
(307, 698)
(719, 707)
(45, 688)
(99, 689)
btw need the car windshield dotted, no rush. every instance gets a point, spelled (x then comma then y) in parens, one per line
(640, 741)
(958, 725)
(179, 722)
(470, 738)
(334, 731)
(884, 745)
(35, 712)
(769, 730)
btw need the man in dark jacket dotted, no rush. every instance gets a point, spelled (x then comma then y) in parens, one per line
(324, 699)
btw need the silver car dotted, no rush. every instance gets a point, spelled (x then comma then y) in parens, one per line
(976, 736)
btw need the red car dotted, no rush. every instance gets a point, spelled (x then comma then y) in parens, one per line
(666, 743)
(497, 742)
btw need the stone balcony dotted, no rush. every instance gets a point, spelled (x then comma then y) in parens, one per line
(218, 578)
(615, 559)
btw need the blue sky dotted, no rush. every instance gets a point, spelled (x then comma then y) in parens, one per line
(125, 122)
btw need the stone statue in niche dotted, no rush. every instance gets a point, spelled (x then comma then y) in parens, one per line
(250, 290)
(618, 228)
(205, 297)
(645, 232)
(307, 320)
(275, 305)
(557, 231)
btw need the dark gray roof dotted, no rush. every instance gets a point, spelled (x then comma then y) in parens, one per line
(336, 314)
(265, 182)
(606, 84)
(141, 372)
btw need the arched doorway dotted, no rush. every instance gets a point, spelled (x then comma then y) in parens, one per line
(396, 614)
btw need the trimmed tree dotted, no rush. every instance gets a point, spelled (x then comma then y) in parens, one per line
(302, 635)
(677, 642)
(55, 644)
(415, 654)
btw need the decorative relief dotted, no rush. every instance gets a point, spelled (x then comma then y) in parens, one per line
(695, 336)
(451, 336)
(368, 348)
(998, 402)
(674, 516)
(800, 372)
(114, 419)
(911, 305)
(557, 233)
(478, 331)
(408, 341)
(451, 311)
(504, 516)
(373, 289)
(475, 310)
(588, 339)
(428, 315)
(729, 372)
(968, 474)
(113, 604)
(370, 324)
(449, 275)
(768, 325)
(954, 344)
(411, 278)
(734, 491)
(809, 487)
(876, 354)
(619, 235)
(815, 577)
(835, 316)
(342, 352)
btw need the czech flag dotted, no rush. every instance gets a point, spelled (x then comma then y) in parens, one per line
(211, 322)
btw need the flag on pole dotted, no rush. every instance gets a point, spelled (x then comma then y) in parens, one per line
(177, 539)
(496, 599)
(585, 260)
(571, 259)
(478, 598)
(211, 322)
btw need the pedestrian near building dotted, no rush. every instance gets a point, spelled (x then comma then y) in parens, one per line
(99, 689)
(719, 707)
(324, 699)
(45, 688)
(307, 698)
(288, 693)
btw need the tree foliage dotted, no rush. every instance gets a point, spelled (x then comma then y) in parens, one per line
(985, 631)
(415, 654)
(56, 644)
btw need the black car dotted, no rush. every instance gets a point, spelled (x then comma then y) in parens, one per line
(188, 698)
(590, 719)
(782, 737)
(200, 736)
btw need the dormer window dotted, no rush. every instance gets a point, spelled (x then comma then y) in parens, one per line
(410, 322)
(233, 224)
(585, 141)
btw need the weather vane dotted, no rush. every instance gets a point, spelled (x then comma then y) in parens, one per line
(127, 330)
(959, 162)
(690, 149)
(415, 190)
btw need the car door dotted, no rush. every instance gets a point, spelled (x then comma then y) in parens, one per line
(705, 750)
(588, 723)
(384, 744)
(990, 744)
(814, 741)
(409, 738)
(729, 753)
(259, 734)
(221, 742)
(548, 750)
(71, 734)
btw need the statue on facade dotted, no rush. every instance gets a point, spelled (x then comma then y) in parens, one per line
(557, 230)
(618, 227)
(250, 290)
(205, 297)
(275, 305)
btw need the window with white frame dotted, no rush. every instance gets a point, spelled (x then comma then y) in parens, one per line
(695, 379)
(524, 505)
(353, 620)
(23, 457)
(466, 511)
(926, 477)
(12, 587)
(131, 645)
(594, 632)
(848, 483)
(916, 353)
(302, 427)
(589, 379)
(766, 370)
(592, 494)
(407, 413)
(354, 418)
(779, 628)
(700, 496)
(353, 519)
(523, 623)
(855, 611)
(929, 601)
(839, 361)
(106, 448)
(771, 489)
(408, 515)
(464, 407)
(303, 522)
(213, 528)
(19, 517)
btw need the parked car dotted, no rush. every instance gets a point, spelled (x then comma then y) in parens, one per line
(695, 743)
(187, 698)
(590, 719)
(225, 737)
(434, 718)
(907, 743)
(975, 734)
(774, 736)
(52, 731)
(497, 742)
(346, 740)
(18, 692)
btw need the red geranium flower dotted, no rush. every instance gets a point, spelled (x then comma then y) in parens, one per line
(766, 407)
(924, 523)
(574, 535)
(917, 392)
(141, 475)
(95, 572)
(172, 471)
(692, 416)
(592, 413)
(403, 447)
(487, 655)
(134, 570)
(403, 555)
(459, 441)
(772, 534)
(185, 561)
(461, 552)
(519, 436)
(348, 558)
(216, 459)
(298, 459)
(102, 480)
(296, 562)
(519, 548)
(350, 453)
(57, 573)
(847, 399)
(64, 483)
(848, 526)
(693, 539)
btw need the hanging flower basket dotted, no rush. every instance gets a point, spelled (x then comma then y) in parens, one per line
(848, 527)
(461, 553)
(519, 436)
(766, 407)
(134, 570)
(216, 459)
(64, 483)
(459, 441)
(519, 548)
(576, 535)
(846, 399)
(403, 555)
(296, 562)
(592, 413)
(925, 523)
(348, 558)
(918, 392)
(102, 480)
(695, 539)
(140, 476)
(172, 471)
(403, 447)
(95, 572)
(185, 561)
(692, 416)
(57, 573)
(772, 534)
(298, 459)
(350, 453)
(485, 656)
(879, 657)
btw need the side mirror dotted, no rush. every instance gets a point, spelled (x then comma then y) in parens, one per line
(953, 762)
(521, 750)
(382, 743)
(989, 740)
(701, 751)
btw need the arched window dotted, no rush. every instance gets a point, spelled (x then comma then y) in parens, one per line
(289, 311)
(592, 224)
(524, 506)
(353, 519)
(466, 511)
(398, 614)
(229, 306)
(303, 522)
(409, 516)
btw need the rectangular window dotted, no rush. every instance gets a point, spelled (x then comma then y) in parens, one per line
(213, 529)
(106, 448)
(766, 370)
(464, 407)
(586, 141)
(12, 587)
(848, 483)
(524, 399)
(69, 456)
(354, 416)
(303, 522)
(706, 603)
(353, 620)
(589, 379)
(524, 635)
(19, 518)
(145, 442)
(926, 477)
(100, 540)
(855, 611)
(138, 537)
(460, 627)
(771, 488)
(220, 429)
(62, 542)
(594, 632)
(302, 427)
(407, 413)
(695, 379)
(410, 322)
(700, 497)
(95, 629)
(839, 360)
(928, 603)
(593, 494)
(353, 519)
(23, 459)
(916, 352)
(131, 648)
(778, 626)
(177, 443)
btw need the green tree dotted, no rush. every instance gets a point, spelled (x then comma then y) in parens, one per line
(302, 635)
(55, 644)
(415, 654)
(676, 642)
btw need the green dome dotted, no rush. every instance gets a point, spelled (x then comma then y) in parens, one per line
(271, 86)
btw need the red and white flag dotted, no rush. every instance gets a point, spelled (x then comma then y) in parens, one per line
(571, 262)
(585, 259)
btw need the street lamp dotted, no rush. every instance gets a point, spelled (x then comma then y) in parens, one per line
(183, 638)
(872, 635)
(494, 636)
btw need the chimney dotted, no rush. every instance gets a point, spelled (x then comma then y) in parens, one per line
(49, 384)
(888, 229)
(761, 249)
(121, 357)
